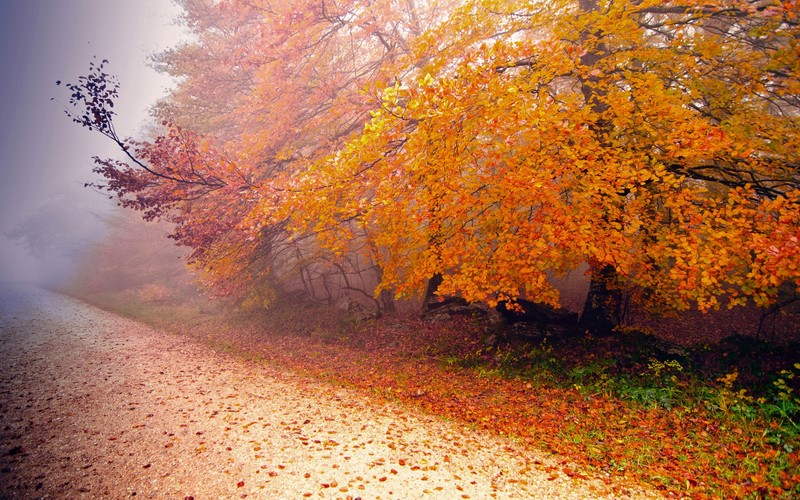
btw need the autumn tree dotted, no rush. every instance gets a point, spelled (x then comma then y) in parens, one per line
(487, 143)
(264, 88)
(655, 140)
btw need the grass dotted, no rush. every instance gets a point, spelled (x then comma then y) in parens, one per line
(711, 421)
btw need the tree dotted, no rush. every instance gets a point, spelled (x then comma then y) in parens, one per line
(265, 89)
(489, 143)
(657, 141)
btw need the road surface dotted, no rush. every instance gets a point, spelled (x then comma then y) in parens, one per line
(94, 405)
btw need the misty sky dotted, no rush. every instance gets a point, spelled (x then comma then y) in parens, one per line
(43, 156)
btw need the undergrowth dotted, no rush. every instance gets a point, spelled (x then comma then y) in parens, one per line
(756, 418)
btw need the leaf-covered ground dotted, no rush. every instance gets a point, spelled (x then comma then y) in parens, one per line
(96, 406)
(710, 422)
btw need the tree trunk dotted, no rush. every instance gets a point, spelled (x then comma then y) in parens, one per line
(386, 298)
(603, 307)
(430, 291)
(602, 311)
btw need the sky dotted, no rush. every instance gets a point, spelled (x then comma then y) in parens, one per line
(44, 157)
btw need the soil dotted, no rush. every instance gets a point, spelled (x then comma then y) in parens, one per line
(94, 405)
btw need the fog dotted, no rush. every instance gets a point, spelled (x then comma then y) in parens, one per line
(45, 159)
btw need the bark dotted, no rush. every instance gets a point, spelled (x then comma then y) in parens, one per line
(430, 291)
(386, 298)
(602, 311)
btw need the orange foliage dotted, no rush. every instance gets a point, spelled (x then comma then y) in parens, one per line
(670, 154)
(492, 142)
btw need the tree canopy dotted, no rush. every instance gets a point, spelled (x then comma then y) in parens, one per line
(494, 143)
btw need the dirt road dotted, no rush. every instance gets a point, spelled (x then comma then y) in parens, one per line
(94, 405)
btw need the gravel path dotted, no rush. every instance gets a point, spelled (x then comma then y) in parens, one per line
(94, 405)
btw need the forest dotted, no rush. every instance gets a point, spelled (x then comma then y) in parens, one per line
(474, 156)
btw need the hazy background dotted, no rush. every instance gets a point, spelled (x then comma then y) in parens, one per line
(45, 159)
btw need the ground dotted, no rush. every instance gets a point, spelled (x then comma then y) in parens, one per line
(93, 405)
